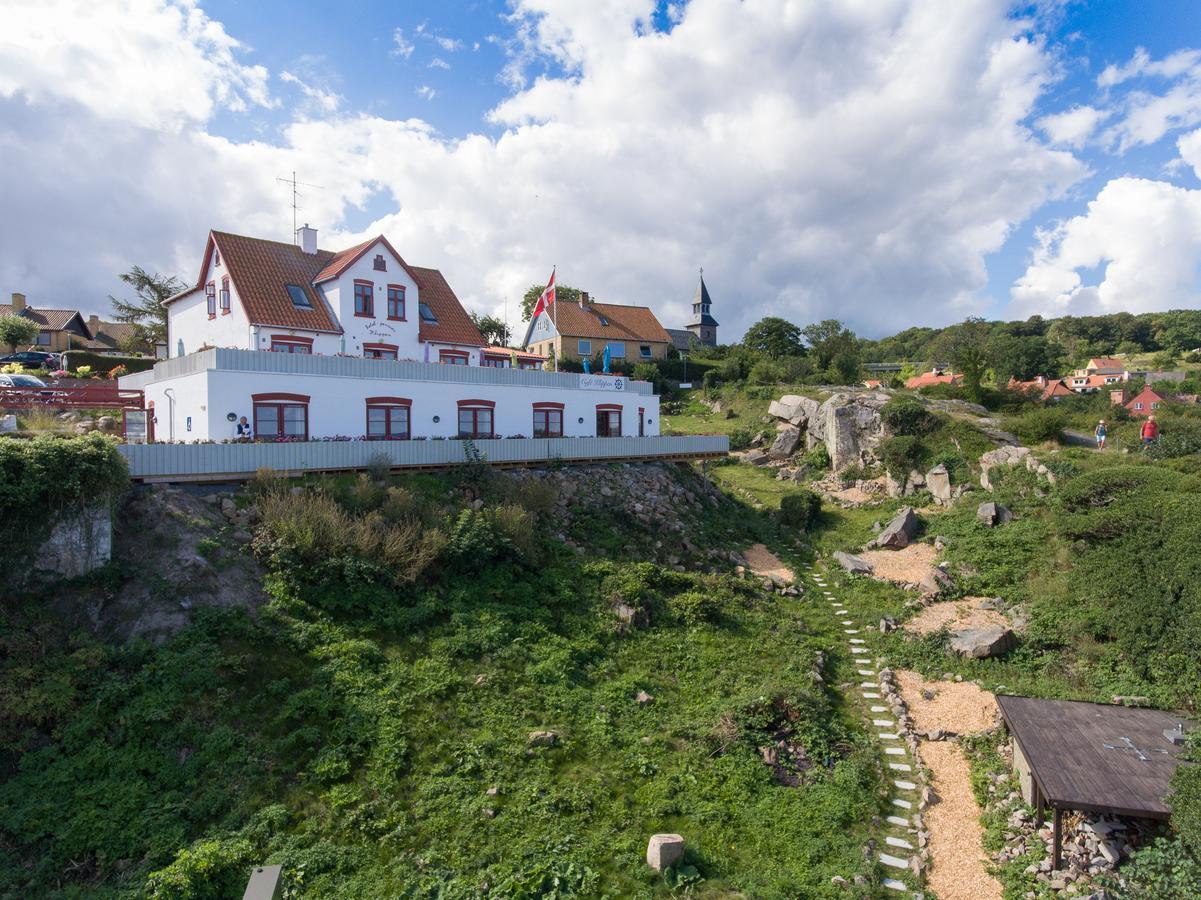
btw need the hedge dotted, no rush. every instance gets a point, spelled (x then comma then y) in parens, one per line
(102, 364)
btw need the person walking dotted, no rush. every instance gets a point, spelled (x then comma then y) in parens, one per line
(1150, 431)
(1100, 434)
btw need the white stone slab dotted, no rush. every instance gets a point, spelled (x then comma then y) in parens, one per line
(893, 885)
(903, 804)
(895, 861)
(894, 751)
(899, 843)
(870, 695)
(897, 820)
(900, 767)
(883, 723)
(905, 785)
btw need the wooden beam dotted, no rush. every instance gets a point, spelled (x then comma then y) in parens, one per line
(1057, 831)
(1040, 812)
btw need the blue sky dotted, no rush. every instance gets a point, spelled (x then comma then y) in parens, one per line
(889, 163)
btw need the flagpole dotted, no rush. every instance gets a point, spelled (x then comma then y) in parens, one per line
(554, 314)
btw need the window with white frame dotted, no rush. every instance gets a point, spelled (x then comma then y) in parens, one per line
(617, 349)
(584, 348)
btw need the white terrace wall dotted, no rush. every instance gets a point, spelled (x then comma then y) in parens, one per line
(207, 387)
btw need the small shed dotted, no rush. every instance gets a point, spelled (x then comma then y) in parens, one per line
(1092, 757)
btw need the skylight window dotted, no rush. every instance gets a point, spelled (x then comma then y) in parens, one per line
(603, 320)
(427, 314)
(299, 298)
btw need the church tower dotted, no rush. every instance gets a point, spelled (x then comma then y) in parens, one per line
(702, 324)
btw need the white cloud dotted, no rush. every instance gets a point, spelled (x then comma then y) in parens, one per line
(401, 46)
(849, 160)
(1144, 236)
(438, 63)
(450, 45)
(1142, 65)
(1072, 127)
(317, 99)
(1146, 115)
(426, 92)
(156, 63)
(1190, 150)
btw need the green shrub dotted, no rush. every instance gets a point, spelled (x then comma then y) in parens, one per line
(1164, 868)
(903, 415)
(98, 362)
(208, 870)
(694, 607)
(1038, 425)
(741, 438)
(901, 454)
(800, 509)
(1176, 438)
(817, 459)
(766, 371)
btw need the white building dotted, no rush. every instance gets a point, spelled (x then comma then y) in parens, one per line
(307, 344)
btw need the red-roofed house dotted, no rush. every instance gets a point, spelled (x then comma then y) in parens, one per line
(1105, 365)
(931, 378)
(307, 343)
(255, 294)
(1145, 403)
(1046, 388)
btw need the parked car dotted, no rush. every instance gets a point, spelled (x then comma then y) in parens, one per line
(35, 359)
(21, 381)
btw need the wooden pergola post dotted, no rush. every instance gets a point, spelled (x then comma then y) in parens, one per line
(1057, 837)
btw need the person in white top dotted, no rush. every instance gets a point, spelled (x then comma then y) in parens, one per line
(245, 430)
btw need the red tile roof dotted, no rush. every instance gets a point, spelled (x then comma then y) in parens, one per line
(111, 335)
(260, 269)
(454, 326)
(48, 319)
(926, 379)
(493, 350)
(628, 323)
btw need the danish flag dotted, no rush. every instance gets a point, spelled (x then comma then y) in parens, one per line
(547, 298)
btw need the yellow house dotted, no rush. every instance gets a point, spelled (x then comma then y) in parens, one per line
(61, 329)
(583, 330)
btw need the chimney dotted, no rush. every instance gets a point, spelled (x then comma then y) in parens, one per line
(18, 303)
(93, 325)
(308, 238)
(583, 299)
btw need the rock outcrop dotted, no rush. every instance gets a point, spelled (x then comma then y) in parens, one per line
(1011, 456)
(898, 533)
(853, 564)
(981, 643)
(847, 422)
(938, 482)
(992, 514)
(786, 443)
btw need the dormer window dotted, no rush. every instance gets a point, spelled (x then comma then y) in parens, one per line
(427, 314)
(299, 298)
(381, 265)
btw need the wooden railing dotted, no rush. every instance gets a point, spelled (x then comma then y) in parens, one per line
(70, 396)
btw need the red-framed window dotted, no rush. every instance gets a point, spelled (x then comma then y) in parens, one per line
(279, 417)
(396, 302)
(389, 418)
(608, 420)
(453, 357)
(287, 343)
(225, 296)
(528, 364)
(210, 294)
(380, 351)
(495, 362)
(548, 420)
(476, 418)
(364, 299)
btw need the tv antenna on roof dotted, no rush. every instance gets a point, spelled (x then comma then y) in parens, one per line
(295, 196)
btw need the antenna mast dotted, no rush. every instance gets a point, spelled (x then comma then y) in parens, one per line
(293, 183)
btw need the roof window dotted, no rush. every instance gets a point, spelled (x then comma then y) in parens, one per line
(427, 314)
(299, 298)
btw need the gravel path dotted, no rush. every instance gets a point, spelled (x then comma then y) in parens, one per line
(907, 566)
(957, 860)
(965, 613)
(766, 564)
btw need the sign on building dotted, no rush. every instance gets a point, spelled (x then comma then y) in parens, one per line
(602, 383)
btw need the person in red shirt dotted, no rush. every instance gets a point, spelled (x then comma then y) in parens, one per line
(1150, 431)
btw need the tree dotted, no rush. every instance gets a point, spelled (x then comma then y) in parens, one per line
(774, 337)
(16, 330)
(846, 367)
(1023, 358)
(965, 347)
(828, 339)
(493, 329)
(146, 311)
(563, 294)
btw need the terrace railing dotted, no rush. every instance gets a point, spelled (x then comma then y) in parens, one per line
(97, 395)
(232, 462)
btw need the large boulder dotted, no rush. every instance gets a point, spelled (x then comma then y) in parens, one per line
(938, 482)
(1002, 456)
(900, 531)
(785, 444)
(664, 851)
(848, 423)
(853, 564)
(936, 582)
(992, 514)
(756, 458)
(980, 643)
(793, 409)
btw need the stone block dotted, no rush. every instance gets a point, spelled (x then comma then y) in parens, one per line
(981, 643)
(664, 851)
(900, 531)
(852, 564)
(785, 444)
(938, 482)
(80, 542)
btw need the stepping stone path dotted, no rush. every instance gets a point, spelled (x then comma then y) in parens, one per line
(900, 838)
(902, 829)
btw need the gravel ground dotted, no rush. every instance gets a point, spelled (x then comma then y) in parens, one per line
(964, 613)
(766, 564)
(907, 566)
(960, 707)
(957, 859)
